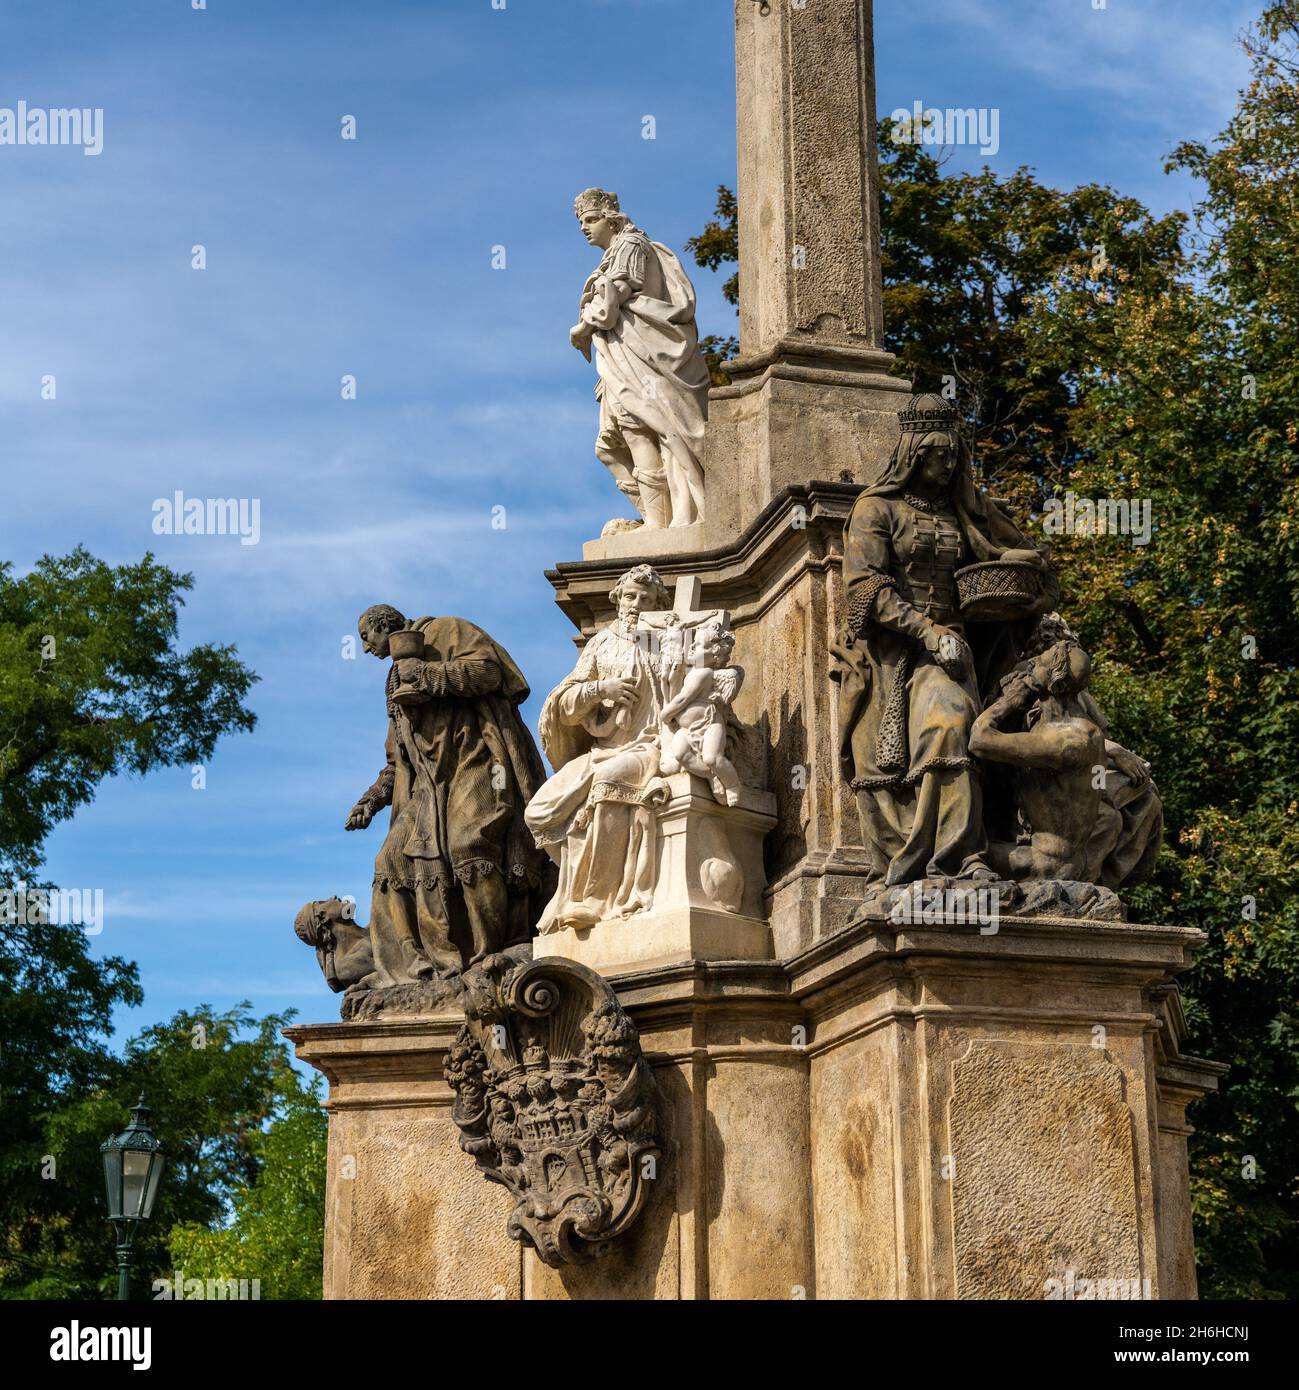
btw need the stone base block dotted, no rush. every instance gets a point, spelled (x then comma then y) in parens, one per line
(801, 409)
(660, 938)
(708, 898)
(918, 1112)
(643, 543)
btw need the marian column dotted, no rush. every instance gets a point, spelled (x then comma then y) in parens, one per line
(812, 393)
(845, 1102)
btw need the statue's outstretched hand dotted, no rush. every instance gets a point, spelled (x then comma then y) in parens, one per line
(359, 816)
(580, 336)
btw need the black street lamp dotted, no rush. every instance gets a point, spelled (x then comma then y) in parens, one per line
(132, 1167)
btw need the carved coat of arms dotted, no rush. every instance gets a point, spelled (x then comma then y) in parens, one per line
(555, 1101)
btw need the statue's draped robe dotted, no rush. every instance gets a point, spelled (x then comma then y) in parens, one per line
(653, 377)
(905, 723)
(596, 814)
(461, 768)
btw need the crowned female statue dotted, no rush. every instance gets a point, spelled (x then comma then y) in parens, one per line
(912, 664)
(638, 309)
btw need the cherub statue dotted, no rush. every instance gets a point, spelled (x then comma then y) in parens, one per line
(694, 722)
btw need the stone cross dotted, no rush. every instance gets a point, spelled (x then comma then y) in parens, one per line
(808, 174)
(685, 612)
(686, 600)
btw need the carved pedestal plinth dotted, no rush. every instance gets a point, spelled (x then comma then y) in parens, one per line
(798, 410)
(896, 1112)
(642, 543)
(708, 894)
(407, 1214)
(992, 1112)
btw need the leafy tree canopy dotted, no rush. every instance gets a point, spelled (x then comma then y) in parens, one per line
(226, 1102)
(92, 684)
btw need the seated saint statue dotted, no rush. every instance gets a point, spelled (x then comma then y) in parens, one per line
(600, 728)
(910, 669)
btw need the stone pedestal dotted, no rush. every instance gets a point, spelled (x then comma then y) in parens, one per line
(918, 1112)
(795, 411)
(709, 888)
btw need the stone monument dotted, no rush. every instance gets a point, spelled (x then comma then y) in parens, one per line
(458, 876)
(832, 995)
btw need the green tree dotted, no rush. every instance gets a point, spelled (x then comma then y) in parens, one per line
(92, 684)
(277, 1228)
(1099, 350)
(1190, 398)
(717, 245)
(214, 1082)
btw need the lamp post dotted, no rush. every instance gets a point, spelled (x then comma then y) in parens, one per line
(132, 1167)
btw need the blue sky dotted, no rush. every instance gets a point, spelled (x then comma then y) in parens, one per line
(475, 128)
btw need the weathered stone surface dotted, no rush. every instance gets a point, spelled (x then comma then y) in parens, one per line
(1002, 1089)
(406, 1216)
(1041, 1170)
(925, 1112)
(808, 202)
(554, 1101)
(811, 394)
(708, 895)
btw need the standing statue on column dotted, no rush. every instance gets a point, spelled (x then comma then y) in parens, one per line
(600, 728)
(458, 876)
(638, 309)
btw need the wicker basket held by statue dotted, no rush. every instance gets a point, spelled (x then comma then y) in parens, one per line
(998, 589)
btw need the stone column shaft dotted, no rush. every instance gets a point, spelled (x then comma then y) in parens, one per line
(809, 216)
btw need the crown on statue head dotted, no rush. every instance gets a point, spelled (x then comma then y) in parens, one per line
(595, 200)
(929, 412)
